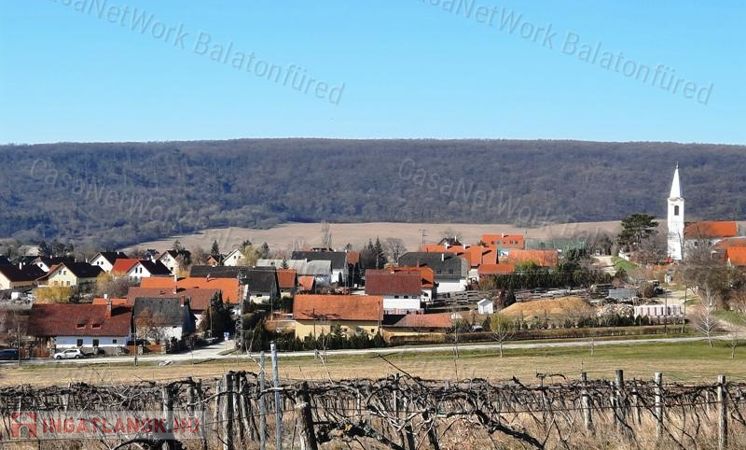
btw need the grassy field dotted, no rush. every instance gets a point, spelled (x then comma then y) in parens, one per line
(678, 361)
(623, 264)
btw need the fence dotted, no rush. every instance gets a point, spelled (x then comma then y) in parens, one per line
(254, 410)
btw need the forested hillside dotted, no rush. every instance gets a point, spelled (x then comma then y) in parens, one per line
(120, 193)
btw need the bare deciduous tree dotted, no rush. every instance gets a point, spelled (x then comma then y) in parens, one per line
(502, 329)
(705, 320)
(326, 235)
(394, 248)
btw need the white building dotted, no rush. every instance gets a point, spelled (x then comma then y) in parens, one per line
(485, 306)
(656, 311)
(676, 219)
(233, 258)
(106, 260)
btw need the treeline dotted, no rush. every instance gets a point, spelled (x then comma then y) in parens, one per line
(123, 193)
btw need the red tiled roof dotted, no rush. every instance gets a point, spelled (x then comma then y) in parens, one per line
(504, 240)
(426, 273)
(439, 320)
(711, 229)
(199, 298)
(477, 255)
(739, 241)
(496, 269)
(543, 258)
(50, 320)
(306, 282)
(158, 282)
(230, 287)
(114, 301)
(134, 292)
(736, 256)
(338, 307)
(123, 265)
(287, 278)
(353, 257)
(433, 248)
(384, 282)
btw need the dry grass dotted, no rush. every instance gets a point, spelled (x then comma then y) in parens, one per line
(551, 309)
(282, 237)
(679, 362)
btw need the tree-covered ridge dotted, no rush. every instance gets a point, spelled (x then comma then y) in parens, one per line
(120, 193)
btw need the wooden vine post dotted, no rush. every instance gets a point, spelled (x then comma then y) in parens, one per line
(722, 413)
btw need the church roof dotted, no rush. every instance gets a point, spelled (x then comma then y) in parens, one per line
(712, 229)
(676, 184)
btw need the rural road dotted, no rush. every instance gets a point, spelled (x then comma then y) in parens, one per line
(212, 352)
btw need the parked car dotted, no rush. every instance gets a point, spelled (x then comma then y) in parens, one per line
(9, 354)
(72, 353)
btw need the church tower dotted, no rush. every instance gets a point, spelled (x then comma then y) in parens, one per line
(676, 219)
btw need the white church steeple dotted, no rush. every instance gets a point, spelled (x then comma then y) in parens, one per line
(676, 219)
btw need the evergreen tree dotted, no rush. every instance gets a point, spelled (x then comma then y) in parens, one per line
(215, 250)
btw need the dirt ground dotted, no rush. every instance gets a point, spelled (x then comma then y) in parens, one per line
(298, 235)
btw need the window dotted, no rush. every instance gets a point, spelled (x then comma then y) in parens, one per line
(676, 210)
(79, 343)
(95, 342)
(113, 341)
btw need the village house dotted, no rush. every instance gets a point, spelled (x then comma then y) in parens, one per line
(61, 326)
(287, 279)
(12, 277)
(46, 263)
(415, 325)
(234, 258)
(451, 271)
(486, 270)
(320, 270)
(427, 280)
(339, 267)
(710, 234)
(306, 284)
(71, 274)
(317, 314)
(736, 256)
(263, 286)
(214, 260)
(168, 259)
(401, 291)
(146, 268)
(199, 299)
(232, 291)
(106, 260)
(162, 320)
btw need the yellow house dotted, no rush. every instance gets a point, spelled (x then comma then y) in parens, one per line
(72, 274)
(317, 314)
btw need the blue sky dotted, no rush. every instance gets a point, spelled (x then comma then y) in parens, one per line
(87, 71)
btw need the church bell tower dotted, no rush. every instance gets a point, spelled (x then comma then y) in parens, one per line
(676, 219)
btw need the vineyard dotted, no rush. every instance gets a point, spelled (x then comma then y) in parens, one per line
(259, 411)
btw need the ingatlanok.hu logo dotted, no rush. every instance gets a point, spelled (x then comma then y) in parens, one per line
(82, 425)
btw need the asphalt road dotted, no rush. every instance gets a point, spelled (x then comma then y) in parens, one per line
(213, 352)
